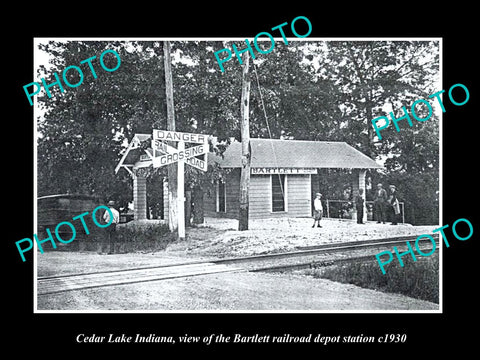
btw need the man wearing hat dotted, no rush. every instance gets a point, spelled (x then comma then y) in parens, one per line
(379, 202)
(392, 199)
(112, 227)
(359, 206)
(317, 210)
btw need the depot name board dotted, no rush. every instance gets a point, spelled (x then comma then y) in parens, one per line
(268, 171)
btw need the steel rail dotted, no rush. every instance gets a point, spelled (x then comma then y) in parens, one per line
(169, 271)
(325, 248)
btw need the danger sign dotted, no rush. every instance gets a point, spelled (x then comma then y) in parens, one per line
(165, 135)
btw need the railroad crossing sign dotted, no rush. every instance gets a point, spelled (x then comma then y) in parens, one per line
(163, 154)
(197, 163)
(172, 155)
(180, 155)
(165, 135)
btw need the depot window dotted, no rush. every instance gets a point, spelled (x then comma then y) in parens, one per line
(279, 192)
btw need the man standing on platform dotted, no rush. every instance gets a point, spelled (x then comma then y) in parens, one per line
(380, 202)
(359, 206)
(393, 200)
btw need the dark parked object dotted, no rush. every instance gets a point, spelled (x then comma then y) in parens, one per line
(54, 209)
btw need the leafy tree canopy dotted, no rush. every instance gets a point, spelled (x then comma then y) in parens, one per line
(304, 90)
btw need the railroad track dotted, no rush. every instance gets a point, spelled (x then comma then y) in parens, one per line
(325, 254)
(56, 284)
(302, 257)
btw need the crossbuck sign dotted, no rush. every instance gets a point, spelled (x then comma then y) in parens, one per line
(172, 155)
(181, 156)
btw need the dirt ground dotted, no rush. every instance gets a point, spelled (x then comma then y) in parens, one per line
(233, 291)
(240, 291)
(220, 237)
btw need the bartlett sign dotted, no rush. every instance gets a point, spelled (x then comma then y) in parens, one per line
(268, 171)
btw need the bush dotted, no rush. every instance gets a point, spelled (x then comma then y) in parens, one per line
(143, 236)
(141, 231)
(416, 279)
(133, 236)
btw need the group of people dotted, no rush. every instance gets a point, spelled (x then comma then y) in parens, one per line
(382, 201)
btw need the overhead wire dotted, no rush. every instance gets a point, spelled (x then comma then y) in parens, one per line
(271, 142)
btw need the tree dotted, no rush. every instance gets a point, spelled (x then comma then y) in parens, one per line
(297, 104)
(207, 101)
(371, 74)
(373, 78)
(84, 130)
(309, 90)
(331, 91)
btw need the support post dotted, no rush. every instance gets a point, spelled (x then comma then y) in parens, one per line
(197, 197)
(166, 205)
(181, 194)
(139, 196)
(245, 134)
(361, 185)
(172, 168)
(188, 207)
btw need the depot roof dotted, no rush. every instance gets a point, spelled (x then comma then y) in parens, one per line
(268, 153)
(274, 153)
(132, 154)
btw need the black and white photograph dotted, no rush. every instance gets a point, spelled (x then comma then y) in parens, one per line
(224, 177)
(212, 179)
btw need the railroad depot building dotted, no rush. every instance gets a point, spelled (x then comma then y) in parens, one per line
(283, 177)
(283, 180)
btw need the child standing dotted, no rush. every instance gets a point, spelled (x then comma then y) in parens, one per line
(317, 210)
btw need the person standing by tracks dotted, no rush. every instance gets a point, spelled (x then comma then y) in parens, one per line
(359, 206)
(379, 202)
(112, 228)
(395, 205)
(317, 210)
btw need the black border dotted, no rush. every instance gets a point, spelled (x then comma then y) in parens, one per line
(427, 333)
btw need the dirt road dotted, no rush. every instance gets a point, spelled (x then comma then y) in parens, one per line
(241, 291)
(230, 291)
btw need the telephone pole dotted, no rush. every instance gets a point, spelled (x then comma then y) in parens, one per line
(175, 171)
(245, 134)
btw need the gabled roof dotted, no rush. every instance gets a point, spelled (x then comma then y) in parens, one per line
(131, 156)
(274, 153)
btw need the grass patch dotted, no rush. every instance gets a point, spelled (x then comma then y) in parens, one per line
(418, 279)
(141, 237)
(131, 237)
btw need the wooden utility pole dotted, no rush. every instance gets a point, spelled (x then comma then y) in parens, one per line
(175, 174)
(245, 134)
